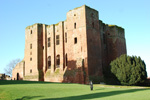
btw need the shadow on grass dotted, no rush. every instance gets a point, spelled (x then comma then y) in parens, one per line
(96, 95)
(28, 97)
(9, 82)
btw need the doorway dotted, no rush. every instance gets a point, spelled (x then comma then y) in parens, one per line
(17, 76)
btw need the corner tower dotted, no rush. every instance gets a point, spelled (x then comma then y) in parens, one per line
(34, 52)
(85, 45)
(93, 44)
(76, 46)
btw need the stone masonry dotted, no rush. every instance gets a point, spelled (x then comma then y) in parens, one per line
(75, 50)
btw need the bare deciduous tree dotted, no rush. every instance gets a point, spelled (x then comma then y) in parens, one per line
(11, 65)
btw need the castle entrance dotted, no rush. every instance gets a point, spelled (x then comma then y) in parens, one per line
(17, 76)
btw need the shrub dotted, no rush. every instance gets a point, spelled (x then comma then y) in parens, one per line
(129, 70)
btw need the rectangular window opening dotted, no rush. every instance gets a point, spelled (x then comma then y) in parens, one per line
(75, 25)
(49, 42)
(57, 39)
(75, 40)
(66, 37)
(31, 32)
(30, 70)
(30, 59)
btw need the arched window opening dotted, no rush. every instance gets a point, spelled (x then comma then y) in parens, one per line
(58, 61)
(49, 62)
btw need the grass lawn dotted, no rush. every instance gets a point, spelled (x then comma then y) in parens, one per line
(27, 90)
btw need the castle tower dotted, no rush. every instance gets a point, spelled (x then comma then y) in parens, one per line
(34, 52)
(93, 45)
(85, 47)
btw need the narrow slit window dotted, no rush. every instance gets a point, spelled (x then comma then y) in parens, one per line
(75, 40)
(30, 59)
(30, 46)
(57, 39)
(74, 25)
(49, 42)
(66, 37)
(31, 32)
(30, 70)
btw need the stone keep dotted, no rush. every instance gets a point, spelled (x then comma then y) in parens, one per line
(75, 50)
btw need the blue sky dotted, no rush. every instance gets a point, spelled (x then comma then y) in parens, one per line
(16, 15)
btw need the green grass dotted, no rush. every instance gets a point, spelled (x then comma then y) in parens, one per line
(28, 90)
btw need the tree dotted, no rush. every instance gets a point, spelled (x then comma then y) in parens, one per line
(129, 70)
(11, 65)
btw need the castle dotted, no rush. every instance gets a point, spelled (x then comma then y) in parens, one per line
(75, 50)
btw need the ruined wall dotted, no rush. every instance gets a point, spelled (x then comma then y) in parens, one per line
(44, 68)
(18, 71)
(55, 72)
(76, 47)
(50, 51)
(85, 45)
(32, 50)
(40, 48)
(113, 43)
(116, 43)
(94, 44)
(103, 36)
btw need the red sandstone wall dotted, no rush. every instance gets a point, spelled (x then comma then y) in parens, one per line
(44, 48)
(103, 37)
(40, 52)
(55, 73)
(94, 44)
(50, 51)
(19, 68)
(84, 58)
(116, 43)
(76, 52)
(31, 53)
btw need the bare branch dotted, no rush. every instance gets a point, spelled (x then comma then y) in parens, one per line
(11, 65)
